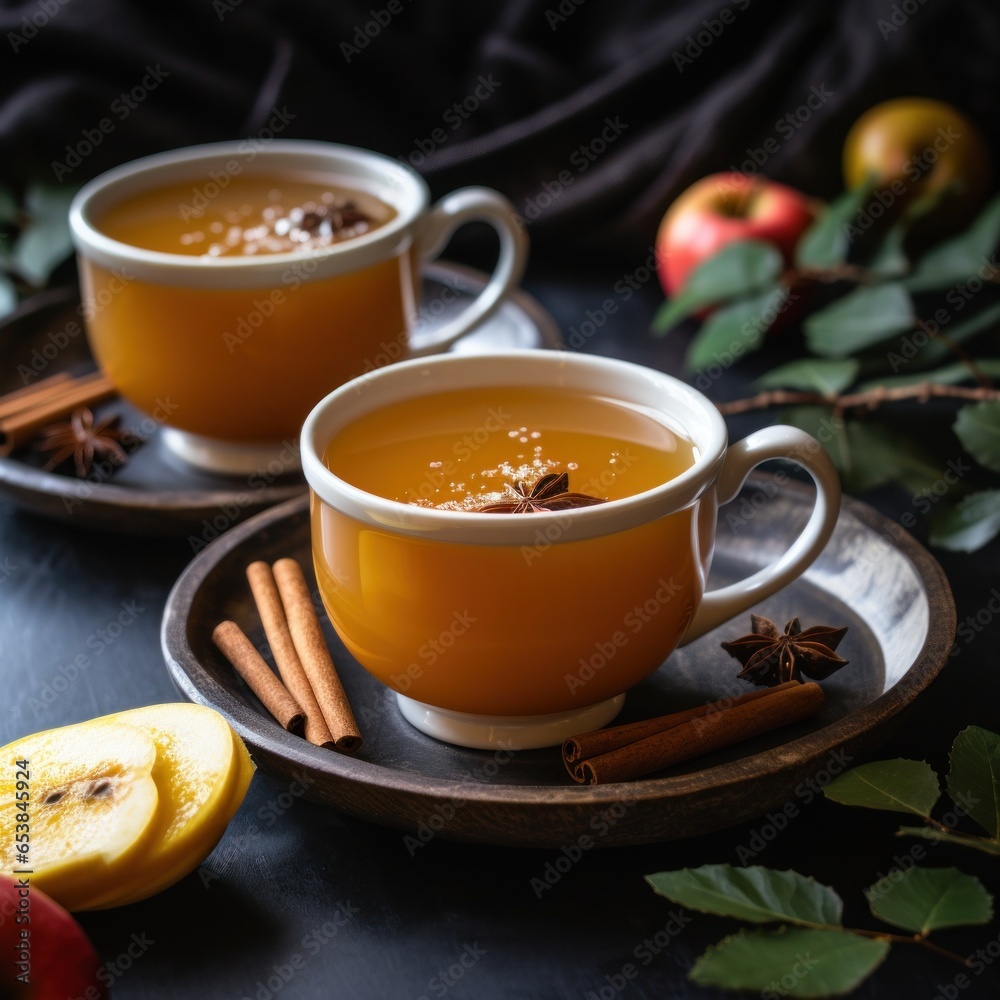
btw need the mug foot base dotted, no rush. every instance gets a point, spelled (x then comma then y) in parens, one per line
(228, 458)
(510, 732)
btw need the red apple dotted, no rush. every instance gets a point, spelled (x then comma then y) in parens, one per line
(720, 209)
(43, 944)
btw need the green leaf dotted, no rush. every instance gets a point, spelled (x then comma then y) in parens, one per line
(890, 260)
(927, 899)
(974, 778)
(908, 786)
(978, 428)
(932, 350)
(792, 962)
(827, 241)
(738, 269)
(878, 453)
(953, 374)
(961, 257)
(8, 206)
(820, 375)
(760, 895)
(860, 319)
(970, 524)
(8, 295)
(735, 330)
(868, 453)
(46, 240)
(951, 837)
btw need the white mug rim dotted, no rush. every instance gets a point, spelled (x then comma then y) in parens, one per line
(391, 180)
(585, 372)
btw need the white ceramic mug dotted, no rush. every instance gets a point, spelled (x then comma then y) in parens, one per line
(234, 350)
(393, 576)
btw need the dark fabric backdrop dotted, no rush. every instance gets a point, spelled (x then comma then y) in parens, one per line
(677, 89)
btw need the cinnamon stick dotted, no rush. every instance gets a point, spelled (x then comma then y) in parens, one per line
(703, 734)
(31, 395)
(272, 616)
(307, 634)
(19, 427)
(234, 645)
(578, 748)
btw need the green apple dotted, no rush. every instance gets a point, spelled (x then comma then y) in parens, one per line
(912, 147)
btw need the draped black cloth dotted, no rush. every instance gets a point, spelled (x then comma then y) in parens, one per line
(591, 116)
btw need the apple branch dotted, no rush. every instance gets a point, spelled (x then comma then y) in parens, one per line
(871, 399)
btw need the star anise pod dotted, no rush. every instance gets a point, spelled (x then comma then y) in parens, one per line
(551, 492)
(770, 657)
(82, 440)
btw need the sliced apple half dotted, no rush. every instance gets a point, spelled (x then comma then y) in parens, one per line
(202, 772)
(91, 806)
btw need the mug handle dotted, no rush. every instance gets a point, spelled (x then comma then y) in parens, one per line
(474, 204)
(780, 441)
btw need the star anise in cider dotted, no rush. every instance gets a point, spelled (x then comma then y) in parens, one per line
(770, 657)
(551, 492)
(81, 439)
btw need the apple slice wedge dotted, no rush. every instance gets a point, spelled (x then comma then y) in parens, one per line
(202, 772)
(90, 806)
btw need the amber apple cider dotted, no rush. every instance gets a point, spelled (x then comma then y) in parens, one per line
(463, 626)
(246, 364)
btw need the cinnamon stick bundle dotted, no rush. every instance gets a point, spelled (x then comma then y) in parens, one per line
(25, 412)
(31, 395)
(234, 645)
(307, 634)
(272, 616)
(699, 734)
(601, 741)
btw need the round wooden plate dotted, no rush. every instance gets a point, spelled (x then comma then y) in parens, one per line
(873, 577)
